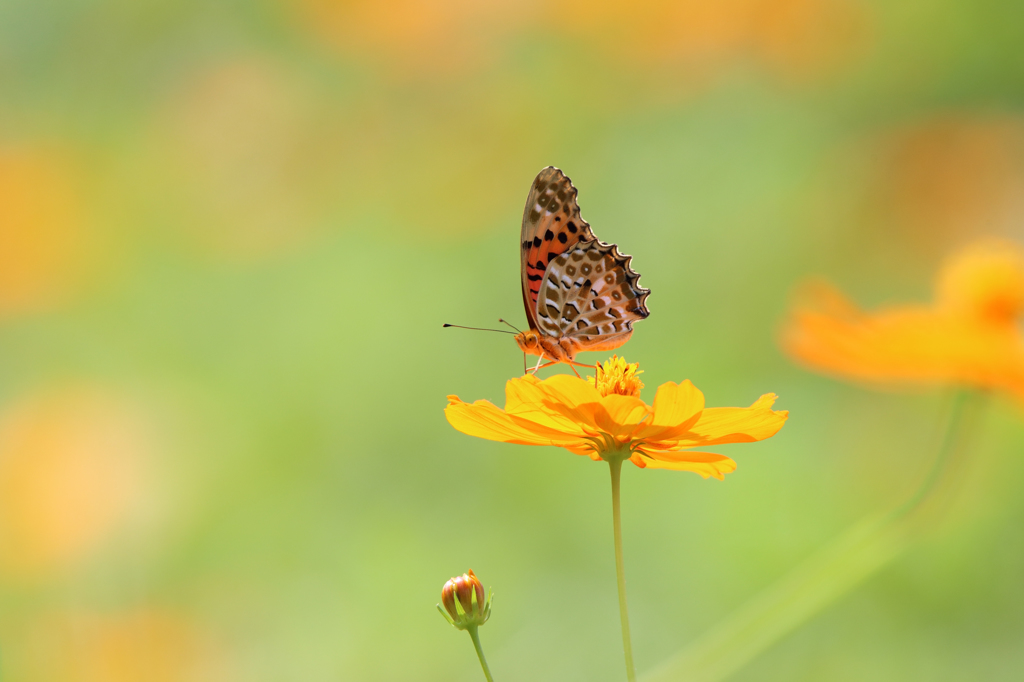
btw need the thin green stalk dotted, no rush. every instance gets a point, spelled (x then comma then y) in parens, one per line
(620, 569)
(480, 652)
(946, 449)
(851, 558)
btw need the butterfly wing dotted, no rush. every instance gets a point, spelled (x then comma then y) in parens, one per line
(551, 226)
(591, 295)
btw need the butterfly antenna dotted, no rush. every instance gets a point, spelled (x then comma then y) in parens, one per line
(509, 324)
(479, 329)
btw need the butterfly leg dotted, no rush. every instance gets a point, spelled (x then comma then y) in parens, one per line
(539, 360)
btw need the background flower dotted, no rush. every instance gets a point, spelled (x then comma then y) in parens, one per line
(970, 335)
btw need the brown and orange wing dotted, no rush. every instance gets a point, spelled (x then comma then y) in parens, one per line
(551, 226)
(592, 296)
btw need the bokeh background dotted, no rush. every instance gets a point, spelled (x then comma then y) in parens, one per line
(230, 233)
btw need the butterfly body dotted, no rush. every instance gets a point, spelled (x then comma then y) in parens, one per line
(580, 293)
(557, 349)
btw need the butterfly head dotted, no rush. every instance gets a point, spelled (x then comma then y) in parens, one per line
(533, 342)
(529, 342)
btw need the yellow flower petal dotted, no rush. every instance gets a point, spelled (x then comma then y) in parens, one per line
(525, 397)
(483, 419)
(674, 403)
(570, 390)
(520, 391)
(718, 425)
(621, 414)
(676, 408)
(571, 397)
(706, 464)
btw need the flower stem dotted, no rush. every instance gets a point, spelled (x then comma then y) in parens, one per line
(620, 569)
(950, 444)
(480, 652)
(848, 560)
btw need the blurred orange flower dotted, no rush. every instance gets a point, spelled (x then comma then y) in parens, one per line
(42, 230)
(414, 36)
(153, 644)
(604, 418)
(938, 179)
(970, 335)
(791, 38)
(74, 473)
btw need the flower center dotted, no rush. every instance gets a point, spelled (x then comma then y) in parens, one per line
(617, 377)
(986, 281)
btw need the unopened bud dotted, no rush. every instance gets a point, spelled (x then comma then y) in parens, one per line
(464, 602)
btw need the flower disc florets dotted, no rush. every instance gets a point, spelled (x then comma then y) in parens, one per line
(464, 603)
(617, 377)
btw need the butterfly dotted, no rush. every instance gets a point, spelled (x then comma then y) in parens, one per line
(580, 293)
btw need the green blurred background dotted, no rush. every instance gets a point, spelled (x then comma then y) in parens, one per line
(230, 233)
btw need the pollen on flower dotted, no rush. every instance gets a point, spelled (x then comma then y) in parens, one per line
(617, 377)
(986, 280)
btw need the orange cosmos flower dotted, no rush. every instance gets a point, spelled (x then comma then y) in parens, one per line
(970, 335)
(605, 419)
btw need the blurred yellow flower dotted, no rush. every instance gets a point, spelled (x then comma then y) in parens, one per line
(970, 335)
(414, 37)
(606, 419)
(151, 643)
(42, 230)
(791, 38)
(74, 473)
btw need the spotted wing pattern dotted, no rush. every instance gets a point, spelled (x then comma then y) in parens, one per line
(551, 226)
(591, 295)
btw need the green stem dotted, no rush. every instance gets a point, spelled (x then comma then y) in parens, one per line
(620, 569)
(951, 440)
(480, 652)
(847, 561)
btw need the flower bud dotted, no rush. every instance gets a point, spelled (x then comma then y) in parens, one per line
(464, 602)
